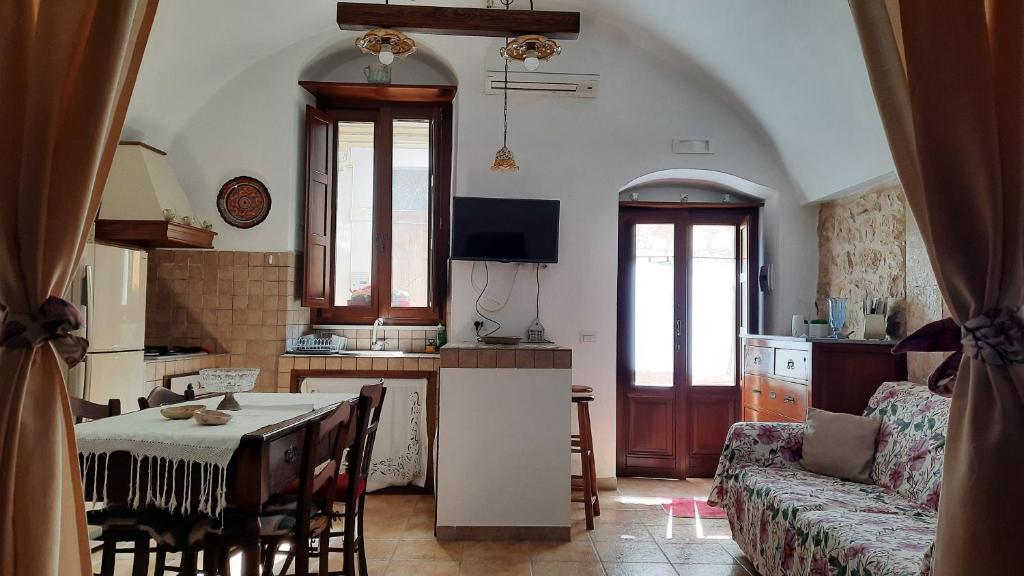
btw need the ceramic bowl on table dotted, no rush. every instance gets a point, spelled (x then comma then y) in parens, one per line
(229, 381)
(180, 411)
(208, 417)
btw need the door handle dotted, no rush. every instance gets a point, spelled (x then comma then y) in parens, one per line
(771, 395)
(789, 400)
(289, 455)
(679, 327)
(755, 391)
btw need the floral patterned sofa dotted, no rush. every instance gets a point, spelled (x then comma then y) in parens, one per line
(790, 521)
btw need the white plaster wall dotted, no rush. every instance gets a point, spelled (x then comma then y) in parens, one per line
(577, 150)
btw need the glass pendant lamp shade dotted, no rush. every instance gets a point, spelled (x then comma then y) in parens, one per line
(505, 161)
(386, 56)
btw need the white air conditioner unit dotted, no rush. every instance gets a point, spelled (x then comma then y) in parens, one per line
(545, 83)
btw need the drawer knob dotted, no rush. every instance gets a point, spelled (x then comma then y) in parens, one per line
(757, 359)
(789, 400)
(771, 395)
(289, 455)
(790, 365)
(756, 391)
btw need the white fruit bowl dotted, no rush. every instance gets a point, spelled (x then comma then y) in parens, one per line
(229, 381)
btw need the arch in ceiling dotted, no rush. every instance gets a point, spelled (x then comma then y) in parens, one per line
(325, 63)
(700, 178)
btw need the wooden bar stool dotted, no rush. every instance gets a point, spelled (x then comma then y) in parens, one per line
(583, 444)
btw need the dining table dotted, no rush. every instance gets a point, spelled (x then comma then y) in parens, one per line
(145, 460)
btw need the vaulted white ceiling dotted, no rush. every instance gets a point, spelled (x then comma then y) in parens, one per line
(794, 66)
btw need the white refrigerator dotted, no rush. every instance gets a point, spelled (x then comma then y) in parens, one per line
(110, 290)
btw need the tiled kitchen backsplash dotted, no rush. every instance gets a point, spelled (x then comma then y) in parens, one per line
(240, 303)
(405, 339)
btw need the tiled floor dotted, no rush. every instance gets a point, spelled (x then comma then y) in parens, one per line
(633, 537)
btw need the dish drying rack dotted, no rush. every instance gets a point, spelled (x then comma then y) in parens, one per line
(320, 344)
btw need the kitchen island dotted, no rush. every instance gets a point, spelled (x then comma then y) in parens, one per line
(503, 460)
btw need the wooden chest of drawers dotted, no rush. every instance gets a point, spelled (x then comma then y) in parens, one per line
(784, 376)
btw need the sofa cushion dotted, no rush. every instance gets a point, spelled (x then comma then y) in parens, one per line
(911, 440)
(864, 543)
(840, 445)
(810, 491)
(788, 522)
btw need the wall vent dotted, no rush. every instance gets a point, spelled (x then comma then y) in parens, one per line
(544, 83)
(692, 147)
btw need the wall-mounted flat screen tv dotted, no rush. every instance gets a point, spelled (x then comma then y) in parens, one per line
(505, 230)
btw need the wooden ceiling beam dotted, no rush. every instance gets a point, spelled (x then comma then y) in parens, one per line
(459, 21)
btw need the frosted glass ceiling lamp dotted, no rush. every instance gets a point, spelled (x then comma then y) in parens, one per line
(531, 50)
(386, 44)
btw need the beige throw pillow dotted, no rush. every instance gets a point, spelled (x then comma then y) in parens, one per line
(840, 445)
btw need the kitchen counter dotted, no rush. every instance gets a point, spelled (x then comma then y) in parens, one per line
(173, 357)
(352, 361)
(503, 444)
(363, 354)
(819, 340)
(480, 355)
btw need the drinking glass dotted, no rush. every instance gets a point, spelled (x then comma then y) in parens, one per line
(836, 314)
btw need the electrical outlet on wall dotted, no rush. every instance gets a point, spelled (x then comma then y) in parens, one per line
(587, 337)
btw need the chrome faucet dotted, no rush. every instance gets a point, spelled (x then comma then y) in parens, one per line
(375, 344)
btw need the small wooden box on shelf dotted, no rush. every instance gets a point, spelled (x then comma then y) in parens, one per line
(783, 376)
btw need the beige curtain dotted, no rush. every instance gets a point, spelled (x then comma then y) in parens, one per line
(949, 81)
(67, 69)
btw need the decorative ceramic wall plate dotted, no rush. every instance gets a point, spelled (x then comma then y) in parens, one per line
(243, 202)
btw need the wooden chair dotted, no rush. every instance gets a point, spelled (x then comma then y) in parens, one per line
(351, 484)
(583, 444)
(102, 526)
(353, 481)
(82, 409)
(160, 396)
(307, 515)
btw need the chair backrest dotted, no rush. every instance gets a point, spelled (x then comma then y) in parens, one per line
(160, 396)
(318, 477)
(84, 410)
(371, 401)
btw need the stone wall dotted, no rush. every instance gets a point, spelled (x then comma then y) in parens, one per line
(862, 245)
(870, 246)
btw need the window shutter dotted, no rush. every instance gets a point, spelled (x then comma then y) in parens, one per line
(318, 281)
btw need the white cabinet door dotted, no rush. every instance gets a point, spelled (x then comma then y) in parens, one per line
(400, 447)
(119, 300)
(120, 375)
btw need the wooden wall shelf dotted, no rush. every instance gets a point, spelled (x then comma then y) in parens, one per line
(459, 21)
(153, 234)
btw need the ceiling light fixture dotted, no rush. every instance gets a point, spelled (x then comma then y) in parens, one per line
(386, 43)
(505, 160)
(530, 49)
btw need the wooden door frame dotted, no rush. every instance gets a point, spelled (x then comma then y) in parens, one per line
(629, 216)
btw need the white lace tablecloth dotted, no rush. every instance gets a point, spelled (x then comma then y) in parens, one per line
(165, 445)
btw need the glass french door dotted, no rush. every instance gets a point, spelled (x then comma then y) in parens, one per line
(684, 299)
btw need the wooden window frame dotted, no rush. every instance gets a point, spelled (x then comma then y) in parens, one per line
(355, 102)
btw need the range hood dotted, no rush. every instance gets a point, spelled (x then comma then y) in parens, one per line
(144, 206)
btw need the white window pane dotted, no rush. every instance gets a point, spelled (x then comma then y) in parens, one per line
(353, 233)
(410, 214)
(713, 329)
(654, 305)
